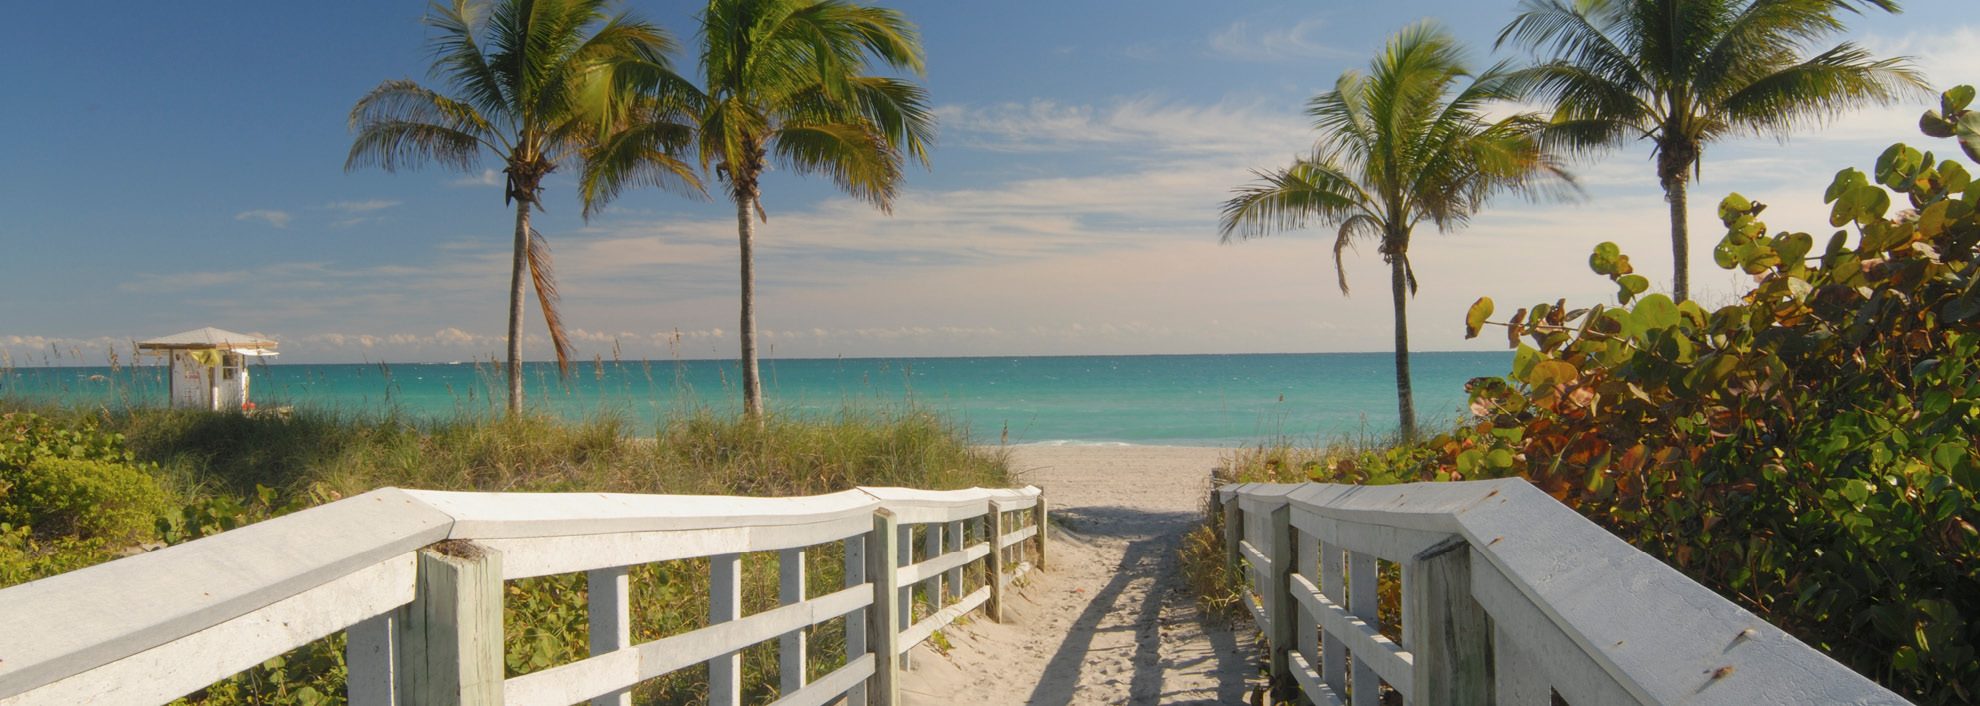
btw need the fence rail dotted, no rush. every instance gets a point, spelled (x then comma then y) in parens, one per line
(414, 578)
(1506, 597)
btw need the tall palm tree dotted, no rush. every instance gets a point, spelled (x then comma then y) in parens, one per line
(1405, 143)
(1682, 73)
(786, 80)
(533, 83)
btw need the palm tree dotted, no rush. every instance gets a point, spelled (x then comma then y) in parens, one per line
(534, 83)
(1405, 143)
(1682, 73)
(786, 80)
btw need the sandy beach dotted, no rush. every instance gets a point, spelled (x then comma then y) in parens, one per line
(1109, 622)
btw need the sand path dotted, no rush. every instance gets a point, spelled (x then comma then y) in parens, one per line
(1109, 622)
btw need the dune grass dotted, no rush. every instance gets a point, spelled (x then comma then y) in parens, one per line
(221, 471)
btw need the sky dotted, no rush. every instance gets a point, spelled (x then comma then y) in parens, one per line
(171, 166)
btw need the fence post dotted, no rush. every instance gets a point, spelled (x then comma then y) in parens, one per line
(1445, 629)
(451, 650)
(1277, 594)
(993, 525)
(1044, 525)
(1233, 532)
(609, 593)
(883, 633)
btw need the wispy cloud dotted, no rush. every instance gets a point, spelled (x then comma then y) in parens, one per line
(1143, 124)
(279, 219)
(1299, 40)
(365, 206)
(487, 177)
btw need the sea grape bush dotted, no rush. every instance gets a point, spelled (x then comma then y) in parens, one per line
(1808, 450)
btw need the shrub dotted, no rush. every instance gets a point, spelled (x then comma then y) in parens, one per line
(1809, 450)
(87, 499)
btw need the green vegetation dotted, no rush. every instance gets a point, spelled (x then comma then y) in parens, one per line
(1808, 451)
(536, 83)
(1403, 144)
(1682, 73)
(170, 476)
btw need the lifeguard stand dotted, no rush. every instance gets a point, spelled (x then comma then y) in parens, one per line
(209, 366)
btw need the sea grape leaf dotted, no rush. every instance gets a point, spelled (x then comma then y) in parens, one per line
(1474, 319)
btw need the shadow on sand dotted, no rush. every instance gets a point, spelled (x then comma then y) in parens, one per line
(1151, 560)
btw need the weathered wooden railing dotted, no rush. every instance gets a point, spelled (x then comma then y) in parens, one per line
(1507, 597)
(415, 580)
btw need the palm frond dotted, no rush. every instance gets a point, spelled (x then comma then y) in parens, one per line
(1820, 88)
(1287, 199)
(395, 144)
(852, 155)
(648, 152)
(544, 277)
(1360, 225)
(457, 56)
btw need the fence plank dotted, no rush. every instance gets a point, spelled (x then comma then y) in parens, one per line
(1044, 525)
(1517, 674)
(791, 645)
(1446, 632)
(371, 661)
(954, 539)
(1333, 585)
(855, 563)
(993, 526)
(725, 605)
(610, 603)
(1278, 600)
(1361, 603)
(1306, 626)
(937, 591)
(883, 627)
(587, 678)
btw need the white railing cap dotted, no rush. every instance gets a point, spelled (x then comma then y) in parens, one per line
(510, 515)
(72, 622)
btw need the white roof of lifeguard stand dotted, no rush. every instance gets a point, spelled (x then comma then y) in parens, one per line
(210, 338)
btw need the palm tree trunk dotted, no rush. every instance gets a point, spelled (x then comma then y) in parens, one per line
(1674, 192)
(1405, 398)
(516, 306)
(746, 233)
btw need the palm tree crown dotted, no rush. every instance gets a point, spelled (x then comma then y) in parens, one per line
(786, 81)
(1682, 73)
(532, 82)
(1406, 143)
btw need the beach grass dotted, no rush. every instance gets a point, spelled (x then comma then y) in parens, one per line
(220, 471)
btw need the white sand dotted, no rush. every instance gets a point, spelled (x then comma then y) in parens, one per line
(1110, 621)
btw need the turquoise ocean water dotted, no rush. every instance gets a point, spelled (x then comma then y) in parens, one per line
(1168, 400)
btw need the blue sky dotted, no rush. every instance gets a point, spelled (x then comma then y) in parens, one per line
(174, 166)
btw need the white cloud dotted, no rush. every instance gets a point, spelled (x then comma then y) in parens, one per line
(487, 177)
(1142, 124)
(365, 206)
(1299, 40)
(279, 219)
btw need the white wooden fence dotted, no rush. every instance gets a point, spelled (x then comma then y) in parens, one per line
(415, 578)
(1507, 597)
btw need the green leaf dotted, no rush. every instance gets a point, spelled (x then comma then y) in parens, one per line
(1656, 312)
(1553, 372)
(1935, 125)
(1631, 285)
(1474, 319)
(1956, 99)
